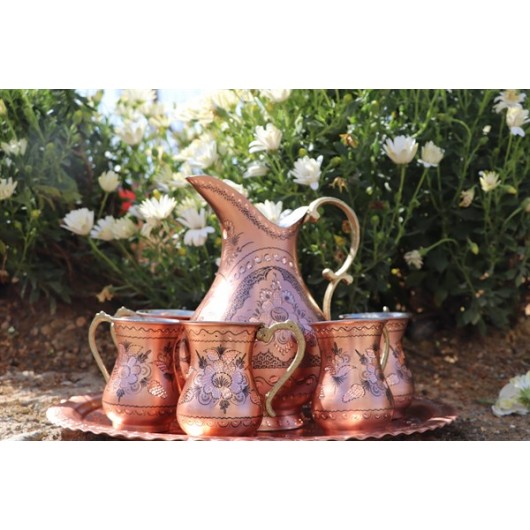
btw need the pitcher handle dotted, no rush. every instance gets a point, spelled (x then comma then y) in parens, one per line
(265, 334)
(341, 274)
(98, 319)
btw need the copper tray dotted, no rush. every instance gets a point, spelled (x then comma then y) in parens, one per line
(84, 413)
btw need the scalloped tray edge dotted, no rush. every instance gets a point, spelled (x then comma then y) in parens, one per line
(73, 413)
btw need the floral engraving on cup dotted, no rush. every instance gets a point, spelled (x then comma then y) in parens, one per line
(164, 360)
(134, 373)
(221, 380)
(340, 367)
(402, 372)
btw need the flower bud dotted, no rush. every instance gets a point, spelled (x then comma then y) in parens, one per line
(473, 247)
(302, 152)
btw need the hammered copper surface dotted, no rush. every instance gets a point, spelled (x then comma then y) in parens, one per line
(84, 414)
(259, 280)
(351, 392)
(141, 391)
(396, 371)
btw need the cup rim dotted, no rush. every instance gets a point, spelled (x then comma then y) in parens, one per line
(321, 323)
(367, 315)
(159, 313)
(226, 323)
(146, 320)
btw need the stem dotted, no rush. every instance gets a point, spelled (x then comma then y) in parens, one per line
(104, 258)
(103, 202)
(444, 240)
(399, 195)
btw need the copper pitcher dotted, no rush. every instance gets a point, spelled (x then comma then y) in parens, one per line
(141, 392)
(220, 397)
(396, 371)
(259, 280)
(352, 393)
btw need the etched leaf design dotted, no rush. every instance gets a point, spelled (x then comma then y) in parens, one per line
(354, 392)
(162, 366)
(392, 379)
(156, 389)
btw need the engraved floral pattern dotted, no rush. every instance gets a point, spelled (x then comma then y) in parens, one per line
(231, 243)
(339, 368)
(220, 379)
(402, 372)
(134, 372)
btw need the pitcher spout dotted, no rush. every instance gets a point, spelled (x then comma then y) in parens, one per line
(234, 210)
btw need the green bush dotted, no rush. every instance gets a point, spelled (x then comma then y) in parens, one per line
(438, 179)
(50, 146)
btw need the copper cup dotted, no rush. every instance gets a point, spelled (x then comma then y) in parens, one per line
(220, 396)
(351, 393)
(181, 355)
(396, 372)
(141, 392)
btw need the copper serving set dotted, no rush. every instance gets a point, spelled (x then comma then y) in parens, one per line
(258, 357)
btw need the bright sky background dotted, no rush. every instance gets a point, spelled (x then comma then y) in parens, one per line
(166, 95)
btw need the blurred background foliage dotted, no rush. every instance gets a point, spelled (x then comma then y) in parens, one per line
(448, 240)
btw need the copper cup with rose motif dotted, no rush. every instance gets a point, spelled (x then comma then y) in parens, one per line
(351, 394)
(220, 396)
(141, 392)
(396, 371)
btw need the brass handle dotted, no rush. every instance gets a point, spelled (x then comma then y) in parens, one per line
(181, 360)
(98, 319)
(341, 274)
(124, 312)
(386, 350)
(265, 334)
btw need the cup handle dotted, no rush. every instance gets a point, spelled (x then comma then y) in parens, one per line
(181, 365)
(98, 319)
(386, 349)
(341, 274)
(265, 334)
(124, 312)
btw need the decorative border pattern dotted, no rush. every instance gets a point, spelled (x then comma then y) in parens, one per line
(397, 324)
(353, 330)
(195, 334)
(141, 410)
(165, 333)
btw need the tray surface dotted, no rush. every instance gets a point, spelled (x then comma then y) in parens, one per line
(84, 413)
